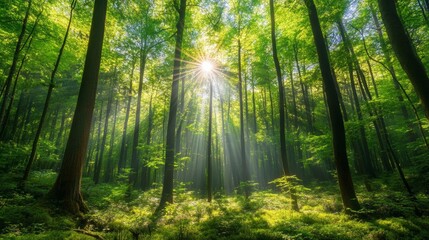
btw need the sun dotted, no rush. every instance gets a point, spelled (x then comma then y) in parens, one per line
(206, 66)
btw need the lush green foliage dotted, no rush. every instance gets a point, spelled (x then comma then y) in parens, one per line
(385, 126)
(386, 214)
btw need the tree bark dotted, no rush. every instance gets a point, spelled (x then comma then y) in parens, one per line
(108, 173)
(146, 180)
(67, 187)
(304, 91)
(12, 69)
(209, 147)
(167, 189)
(405, 51)
(48, 98)
(134, 151)
(244, 168)
(283, 150)
(99, 162)
(336, 119)
(363, 143)
(123, 154)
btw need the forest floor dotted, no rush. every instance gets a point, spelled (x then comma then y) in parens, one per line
(117, 213)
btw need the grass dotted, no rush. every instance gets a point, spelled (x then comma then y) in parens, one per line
(117, 214)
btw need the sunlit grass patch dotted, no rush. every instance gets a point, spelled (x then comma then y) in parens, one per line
(118, 212)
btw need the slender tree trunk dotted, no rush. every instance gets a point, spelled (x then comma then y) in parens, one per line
(405, 51)
(283, 149)
(91, 148)
(99, 162)
(181, 117)
(257, 159)
(47, 100)
(108, 174)
(389, 66)
(209, 147)
(12, 69)
(146, 171)
(422, 8)
(134, 151)
(167, 190)
(53, 124)
(123, 154)
(59, 138)
(244, 167)
(338, 132)
(68, 183)
(294, 109)
(3, 127)
(18, 113)
(304, 91)
(26, 119)
(351, 58)
(97, 156)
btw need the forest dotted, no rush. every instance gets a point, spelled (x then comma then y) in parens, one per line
(214, 119)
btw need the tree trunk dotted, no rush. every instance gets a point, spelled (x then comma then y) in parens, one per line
(181, 118)
(283, 150)
(134, 151)
(12, 69)
(338, 132)
(244, 168)
(391, 70)
(99, 162)
(68, 183)
(146, 171)
(25, 119)
(405, 51)
(209, 147)
(18, 113)
(304, 91)
(108, 173)
(97, 156)
(351, 58)
(123, 154)
(47, 100)
(167, 189)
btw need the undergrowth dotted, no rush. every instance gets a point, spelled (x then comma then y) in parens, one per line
(120, 213)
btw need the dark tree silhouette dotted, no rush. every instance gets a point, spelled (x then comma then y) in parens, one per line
(167, 189)
(338, 132)
(12, 69)
(48, 98)
(68, 183)
(283, 150)
(405, 51)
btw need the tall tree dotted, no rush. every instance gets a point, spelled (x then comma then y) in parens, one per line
(123, 153)
(209, 146)
(67, 187)
(283, 150)
(405, 51)
(48, 97)
(167, 188)
(100, 159)
(12, 69)
(352, 62)
(338, 132)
